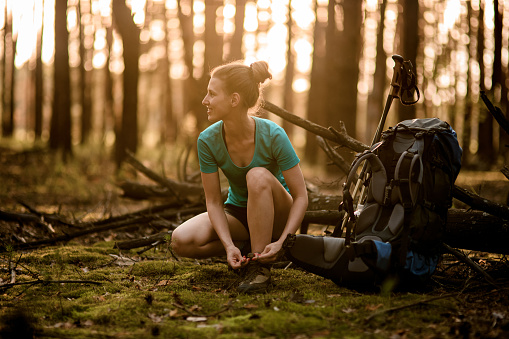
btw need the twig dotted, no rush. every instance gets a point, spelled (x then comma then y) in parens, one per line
(149, 247)
(336, 158)
(214, 314)
(37, 282)
(398, 308)
(469, 262)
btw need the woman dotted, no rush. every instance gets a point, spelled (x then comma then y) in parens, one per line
(267, 196)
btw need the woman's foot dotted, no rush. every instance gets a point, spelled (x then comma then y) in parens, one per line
(256, 278)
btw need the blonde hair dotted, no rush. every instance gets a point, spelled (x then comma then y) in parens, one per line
(243, 79)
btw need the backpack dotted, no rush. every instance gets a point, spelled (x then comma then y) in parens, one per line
(398, 228)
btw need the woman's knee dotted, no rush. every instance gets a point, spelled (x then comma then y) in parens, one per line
(178, 242)
(258, 179)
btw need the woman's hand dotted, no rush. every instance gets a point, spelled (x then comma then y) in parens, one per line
(234, 257)
(270, 253)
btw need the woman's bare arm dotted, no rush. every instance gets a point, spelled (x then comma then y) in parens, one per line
(215, 209)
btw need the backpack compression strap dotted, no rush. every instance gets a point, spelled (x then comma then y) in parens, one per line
(378, 185)
(408, 186)
(404, 174)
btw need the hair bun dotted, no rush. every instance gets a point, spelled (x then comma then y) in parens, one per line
(260, 71)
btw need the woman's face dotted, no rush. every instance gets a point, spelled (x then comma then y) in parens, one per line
(217, 101)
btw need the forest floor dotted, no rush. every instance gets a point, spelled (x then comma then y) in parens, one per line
(86, 288)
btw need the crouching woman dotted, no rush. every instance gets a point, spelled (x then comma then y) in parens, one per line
(267, 196)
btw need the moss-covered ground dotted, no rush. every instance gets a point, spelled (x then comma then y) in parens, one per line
(86, 288)
(76, 291)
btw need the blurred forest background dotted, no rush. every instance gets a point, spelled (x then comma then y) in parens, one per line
(126, 74)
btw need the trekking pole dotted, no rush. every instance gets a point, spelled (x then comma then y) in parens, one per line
(393, 93)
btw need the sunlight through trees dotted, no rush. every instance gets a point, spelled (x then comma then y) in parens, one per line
(140, 75)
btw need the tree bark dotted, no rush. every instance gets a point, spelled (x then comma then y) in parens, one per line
(38, 80)
(60, 129)
(376, 98)
(317, 96)
(8, 79)
(236, 42)
(410, 35)
(127, 129)
(346, 51)
(341, 137)
(485, 153)
(289, 72)
(85, 88)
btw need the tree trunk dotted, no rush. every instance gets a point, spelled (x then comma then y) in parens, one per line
(288, 90)
(376, 98)
(127, 130)
(85, 88)
(38, 75)
(170, 120)
(485, 154)
(8, 78)
(186, 26)
(317, 96)
(345, 49)
(236, 42)
(410, 46)
(213, 58)
(60, 129)
(108, 119)
(499, 82)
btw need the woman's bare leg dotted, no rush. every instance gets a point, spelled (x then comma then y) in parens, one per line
(268, 206)
(196, 237)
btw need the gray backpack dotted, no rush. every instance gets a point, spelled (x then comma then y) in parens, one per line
(398, 228)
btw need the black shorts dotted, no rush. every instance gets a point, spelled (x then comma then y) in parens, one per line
(239, 213)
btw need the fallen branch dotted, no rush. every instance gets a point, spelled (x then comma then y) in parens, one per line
(417, 303)
(479, 203)
(145, 241)
(336, 158)
(177, 188)
(137, 191)
(38, 282)
(137, 221)
(340, 137)
(472, 230)
(496, 112)
(469, 262)
(505, 171)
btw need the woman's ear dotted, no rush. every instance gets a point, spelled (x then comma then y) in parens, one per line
(235, 99)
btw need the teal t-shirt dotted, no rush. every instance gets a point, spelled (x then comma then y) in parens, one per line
(273, 151)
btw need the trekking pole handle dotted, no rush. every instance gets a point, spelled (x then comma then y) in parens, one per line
(396, 75)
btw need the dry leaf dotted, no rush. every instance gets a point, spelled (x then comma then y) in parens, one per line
(373, 307)
(194, 308)
(250, 306)
(155, 318)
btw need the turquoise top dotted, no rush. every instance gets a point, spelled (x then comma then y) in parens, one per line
(273, 151)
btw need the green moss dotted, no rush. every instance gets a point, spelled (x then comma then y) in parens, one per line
(155, 296)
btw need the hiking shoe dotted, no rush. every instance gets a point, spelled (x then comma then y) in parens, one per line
(256, 278)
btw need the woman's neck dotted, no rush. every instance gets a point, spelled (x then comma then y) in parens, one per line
(239, 128)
